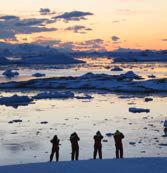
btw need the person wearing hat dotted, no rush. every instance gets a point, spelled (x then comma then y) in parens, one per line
(74, 146)
(55, 148)
(118, 136)
(97, 145)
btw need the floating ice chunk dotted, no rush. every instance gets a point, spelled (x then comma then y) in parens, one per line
(15, 121)
(10, 73)
(138, 110)
(94, 82)
(130, 75)
(151, 76)
(105, 140)
(116, 69)
(39, 75)
(109, 134)
(147, 99)
(84, 97)
(162, 144)
(165, 123)
(132, 143)
(15, 101)
(52, 95)
(44, 122)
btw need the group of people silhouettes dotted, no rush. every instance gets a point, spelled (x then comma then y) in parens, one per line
(118, 136)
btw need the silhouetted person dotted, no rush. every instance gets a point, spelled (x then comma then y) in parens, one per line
(55, 148)
(74, 146)
(118, 136)
(98, 146)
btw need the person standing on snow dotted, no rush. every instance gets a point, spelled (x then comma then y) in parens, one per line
(118, 136)
(97, 145)
(74, 146)
(55, 148)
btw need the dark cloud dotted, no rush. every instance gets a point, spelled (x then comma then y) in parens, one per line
(88, 45)
(164, 39)
(73, 16)
(31, 22)
(10, 26)
(46, 41)
(78, 29)
(115, 38)
(8, 17)
(46, 11)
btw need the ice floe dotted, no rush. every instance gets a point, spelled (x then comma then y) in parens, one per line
(116, 83)
(84, 97)
(55, 94)
(116, 69)
(39, 75)
(147, 99)
(165, 123)
(15, 101)
(15, 121)
(9, 73)
(138, 110)
(130, 75)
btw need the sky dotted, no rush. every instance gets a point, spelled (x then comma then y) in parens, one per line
(85, 24)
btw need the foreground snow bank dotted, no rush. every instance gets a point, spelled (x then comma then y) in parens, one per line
(136, 165)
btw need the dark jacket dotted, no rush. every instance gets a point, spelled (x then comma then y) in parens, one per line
(55, 143)
(118, 136)
(74, 140)
(98, 139)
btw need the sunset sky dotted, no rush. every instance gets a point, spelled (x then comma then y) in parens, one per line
(86, 24)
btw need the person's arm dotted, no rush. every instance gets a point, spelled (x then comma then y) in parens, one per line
(122, 136)
(102, 137)
(51, 141)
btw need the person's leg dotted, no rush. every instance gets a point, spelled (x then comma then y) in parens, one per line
(51, 155)
(77, 154)
(95, 152)
(72, 154)
(121, 152)
(100, 152)
(117, 152)
(57, 155)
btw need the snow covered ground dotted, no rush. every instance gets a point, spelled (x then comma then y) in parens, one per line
(135, 165)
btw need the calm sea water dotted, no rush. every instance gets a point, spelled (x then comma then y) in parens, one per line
(29, 141)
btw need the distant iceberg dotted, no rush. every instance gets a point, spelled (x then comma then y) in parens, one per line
(32, 54)
(10, 73)
(55, 94)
